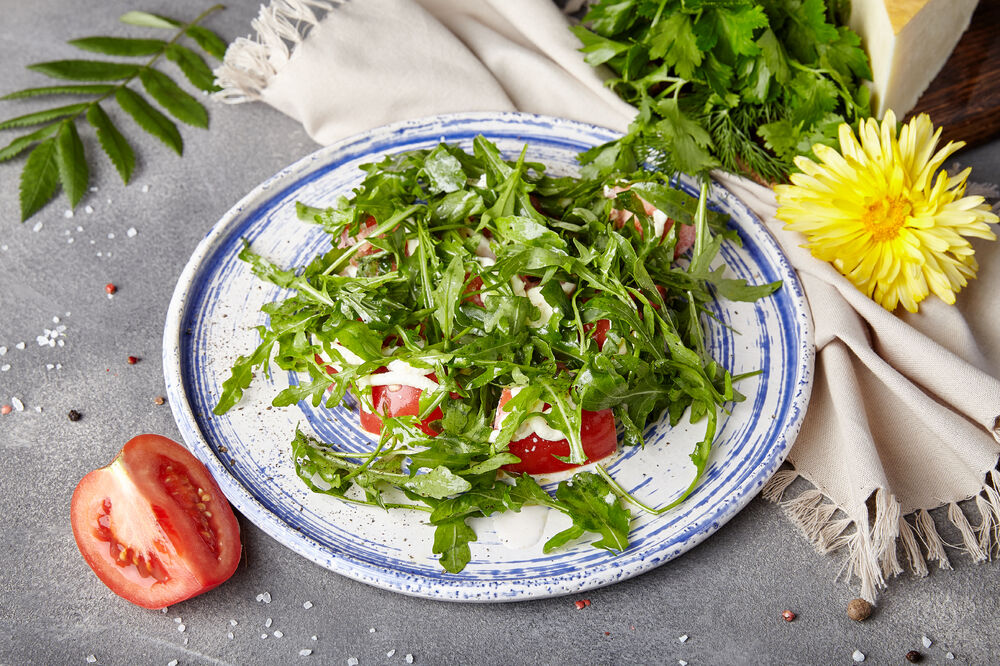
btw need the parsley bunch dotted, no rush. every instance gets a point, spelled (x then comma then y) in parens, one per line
(738, 84)
(409, 296)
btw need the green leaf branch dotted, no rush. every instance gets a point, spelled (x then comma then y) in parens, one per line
(58, 157)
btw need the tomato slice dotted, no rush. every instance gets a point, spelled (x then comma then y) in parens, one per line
(538, 455)
(154, 526)
(599, 331)
(398, 400)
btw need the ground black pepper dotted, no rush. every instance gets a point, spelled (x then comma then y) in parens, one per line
(74, 415)
(913, 656)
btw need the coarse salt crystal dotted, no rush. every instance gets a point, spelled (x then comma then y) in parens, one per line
(858, 656)
(3, 350)
(18, 405)
(61, 343)
(926, 641)
(49, 366)
(409, 658)
(681, 662)
(91, 659)
(172, 662)
(38, 409)
(260, 597)
(278, 634)
(312, 638)
(177, 620)
(353, 661)
(263, 636)
(233, 622)
(58, 366)
(267, 623)
(5, 367)
(37, 227)
(3, 247)
(230, 635)
(266, 597)
(67, 213)
(69, 241)
(131, 232)
(390, 652)
(145, 188)
(307, 605)
(88, 210)
(949, 655)
(305, 652)
(94, 188)
(372, 630)
(111, 236)
(180, 628)
(185, 641)
(19, 345)
(683, 638)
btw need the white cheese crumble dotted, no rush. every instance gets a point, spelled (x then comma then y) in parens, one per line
(535, 298)
(403, 374)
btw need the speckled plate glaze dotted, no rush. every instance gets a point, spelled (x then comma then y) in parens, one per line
(217, 303)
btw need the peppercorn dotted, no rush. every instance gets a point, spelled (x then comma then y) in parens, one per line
(788, 615)
(110, 288)
(132, 360)
(74, 415)
(159, 400)
(913, 656)
(858, 610)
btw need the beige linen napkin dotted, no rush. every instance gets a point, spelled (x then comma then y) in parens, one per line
(904, 411)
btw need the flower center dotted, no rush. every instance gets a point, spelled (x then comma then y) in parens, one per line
(884, 217)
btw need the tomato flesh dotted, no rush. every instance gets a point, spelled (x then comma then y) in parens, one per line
(398, 400)
(538, 455)
(154, 526)
(599, 331)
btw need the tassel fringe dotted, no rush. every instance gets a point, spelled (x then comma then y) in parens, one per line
(250, 63)
(873, 550)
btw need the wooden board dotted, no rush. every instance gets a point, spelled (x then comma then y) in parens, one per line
(964, 98)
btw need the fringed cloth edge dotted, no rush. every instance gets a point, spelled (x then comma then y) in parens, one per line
(873, 539)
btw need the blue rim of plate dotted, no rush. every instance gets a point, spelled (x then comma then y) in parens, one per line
(455, 127)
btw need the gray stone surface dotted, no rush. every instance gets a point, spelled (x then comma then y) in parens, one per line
(725, 595)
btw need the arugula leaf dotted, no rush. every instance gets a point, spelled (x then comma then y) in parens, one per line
(594, 507)
(451, 542)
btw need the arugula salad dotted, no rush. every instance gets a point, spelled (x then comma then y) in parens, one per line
(495, 323)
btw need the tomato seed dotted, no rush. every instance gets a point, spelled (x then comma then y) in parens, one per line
(132, 360)
(159, 400)
(580, 605)
(110, 288)
(6, 409)
(788, 615)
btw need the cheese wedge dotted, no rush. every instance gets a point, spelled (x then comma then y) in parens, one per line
(908, 41)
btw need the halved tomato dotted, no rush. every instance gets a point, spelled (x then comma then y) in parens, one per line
(538, 455)
(154, 526)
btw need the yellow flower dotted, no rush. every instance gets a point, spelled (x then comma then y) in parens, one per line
(876, 211)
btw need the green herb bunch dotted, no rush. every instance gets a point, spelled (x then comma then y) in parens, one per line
(410, 297)
(738, 84)
(58, 155)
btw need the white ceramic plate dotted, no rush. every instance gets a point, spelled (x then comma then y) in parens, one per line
(217, 303)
